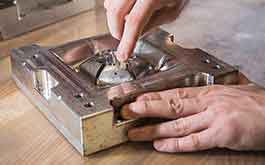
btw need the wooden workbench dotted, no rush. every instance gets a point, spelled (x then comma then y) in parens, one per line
(26, 137)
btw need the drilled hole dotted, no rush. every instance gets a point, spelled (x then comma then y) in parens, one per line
(217, 67)
(35, 56)
(89, 104)
(79, 95)
(207, 61)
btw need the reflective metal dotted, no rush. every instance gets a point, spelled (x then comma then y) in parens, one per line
(80, 86)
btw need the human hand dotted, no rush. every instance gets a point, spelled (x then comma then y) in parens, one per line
(127, 19)
(230, 117)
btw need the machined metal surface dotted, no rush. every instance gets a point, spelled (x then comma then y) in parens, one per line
(80, 86)
(21, 16)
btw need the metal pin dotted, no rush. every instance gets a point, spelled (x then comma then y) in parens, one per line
(207, 61)
(217, 66)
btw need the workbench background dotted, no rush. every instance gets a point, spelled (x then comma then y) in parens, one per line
(26, 137)
(232, 30)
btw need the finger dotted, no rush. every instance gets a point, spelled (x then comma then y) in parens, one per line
(128, 87)
(165, 15)
(194, 142)
(115, 92)
(134, 24)
(116, 12)
(177, 93)
(120, 90)
(176, 128)
(149, 96)
(172, 109)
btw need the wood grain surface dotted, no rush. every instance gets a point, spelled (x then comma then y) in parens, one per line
(26, 137)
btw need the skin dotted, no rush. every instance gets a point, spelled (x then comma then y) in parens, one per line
(198, 118)
(128, 19)
(201, 118)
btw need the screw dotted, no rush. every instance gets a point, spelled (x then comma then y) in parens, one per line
(79, 95)
(150, 67)
(217, 66)
(207, 61)
(89, 105)
(171, 37)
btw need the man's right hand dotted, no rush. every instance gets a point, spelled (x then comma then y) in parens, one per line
(127, 19)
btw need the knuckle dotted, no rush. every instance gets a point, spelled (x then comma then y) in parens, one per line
(181, 93)
(180, 126)
(176, 107)
(150, 96)
(195, 142)
(142, 97)
(145, 107)
(200, 103)
(177, 147)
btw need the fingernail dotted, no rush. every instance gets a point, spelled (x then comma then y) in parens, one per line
(121, 57)
(127, 113)
(158, 145)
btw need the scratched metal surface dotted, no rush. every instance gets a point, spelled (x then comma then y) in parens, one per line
(233, 31)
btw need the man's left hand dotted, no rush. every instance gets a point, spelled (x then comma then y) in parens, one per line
(202, 118)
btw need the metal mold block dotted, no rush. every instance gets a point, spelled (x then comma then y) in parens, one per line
(80, 86)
